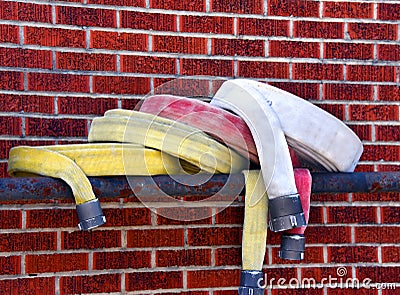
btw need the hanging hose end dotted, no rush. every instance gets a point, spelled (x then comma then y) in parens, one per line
(292, 247)
(251, 282)
(90, 215)
(286, 212)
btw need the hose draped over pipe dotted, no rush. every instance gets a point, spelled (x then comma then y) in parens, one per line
(172, 135)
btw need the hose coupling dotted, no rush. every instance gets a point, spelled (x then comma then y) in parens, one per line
(251, 282)
(286, 212)
(90, 215)
(292, 247)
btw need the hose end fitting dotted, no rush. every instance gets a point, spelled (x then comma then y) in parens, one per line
(251, 282)
(292, 247)
(286, 213)
(90, 215)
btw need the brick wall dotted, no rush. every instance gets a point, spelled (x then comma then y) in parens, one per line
(64, 62)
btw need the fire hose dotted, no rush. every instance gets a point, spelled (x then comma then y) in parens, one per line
(156, 145)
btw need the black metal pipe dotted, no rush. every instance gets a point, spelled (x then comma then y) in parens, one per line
(39, 188)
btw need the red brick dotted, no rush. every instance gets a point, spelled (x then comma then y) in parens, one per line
(238, 47)
(26, 12)
(154, 280)
(184, 215)
(228, 256)
(246, 6)
(155, 238)
(121, 85)
(207, 67)
(390, 214)
(191, 5)
(13, 242)
(10, 219)
(214, 236)
(10, 265)
(3, 170)
(328, 234)
(293, 8)
(385, 274)
(333, 91)
(54, 218)
(11, 80)
(352, 290)
(377, 234)
(10, 125)
(355, 254)
(372, 31)
(351, 214)
(391, 254)
(381, 152)
(383, 197)
(26, 103)
(86, 61)
(303, 291)
(316, 215)
(388, 11)
(273, 274)
(98, 239)
(168, 258)
(320, 273)
(230, 215)
(387, 132)
(338, 50)
(303, 90)
(133, 3)
(9, 34)
(213, 278)
(325, 30)
(253, 69)
(388, 168)
(104, 283)
(361, 112)
(56, 262)
(129, 103)
(118, 41)
(180, 44)
(89, 17)
(26, 58)
(56, 127)
(58, 82)
(263, 27)
(313, 71)
(206, 24)
(127, 216)
(330, 197)
(54, 37)
(148, 64)
(389, 52)
(364, 132)
(85, 105)
(189, 87)
(348, 10)
(122, 259)
(294, 49)
(364, 168)
(31, 286)
(144, 21)
(389, 93)
(335, 109)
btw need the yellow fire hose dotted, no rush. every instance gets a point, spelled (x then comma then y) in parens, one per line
(125, 143)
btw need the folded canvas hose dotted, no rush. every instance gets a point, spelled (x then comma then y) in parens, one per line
(73, 162)
(220, 124)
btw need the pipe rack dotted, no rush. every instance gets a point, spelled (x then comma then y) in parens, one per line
(37, 188)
